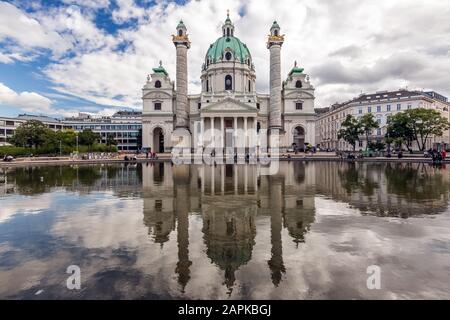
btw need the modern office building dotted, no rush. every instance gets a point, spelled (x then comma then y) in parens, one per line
(381, 104)
(9, 125)
(123, 126)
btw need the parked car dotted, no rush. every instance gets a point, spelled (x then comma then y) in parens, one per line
(8, 158)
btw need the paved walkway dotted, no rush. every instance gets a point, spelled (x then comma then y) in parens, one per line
(321, 156)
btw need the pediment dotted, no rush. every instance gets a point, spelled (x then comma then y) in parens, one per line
(229, 105)
(299, 95)
(157, 95)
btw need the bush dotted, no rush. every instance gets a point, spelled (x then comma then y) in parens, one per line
(14, 151)
(51, 151)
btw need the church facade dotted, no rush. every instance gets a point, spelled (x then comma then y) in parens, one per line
(228, 102)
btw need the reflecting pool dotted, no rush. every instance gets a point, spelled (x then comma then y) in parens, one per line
(158, 231)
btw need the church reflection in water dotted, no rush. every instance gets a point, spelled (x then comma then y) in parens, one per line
(230, 200)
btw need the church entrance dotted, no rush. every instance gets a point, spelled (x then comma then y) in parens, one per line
(158, 140)
(299, 139)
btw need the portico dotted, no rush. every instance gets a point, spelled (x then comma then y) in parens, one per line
(228, 125)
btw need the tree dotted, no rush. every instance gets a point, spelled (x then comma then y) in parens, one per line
(30, 134)
(139, 139)
(426, 123)
(368, 124)
(350, 130)
(88, 137)
(399, 130)
(110, 141)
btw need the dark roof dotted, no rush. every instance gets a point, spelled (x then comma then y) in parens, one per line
(384, 95)
(321, 110)
(41, 118)
(127, 113)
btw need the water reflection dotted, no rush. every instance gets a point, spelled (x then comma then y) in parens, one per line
(235, 204)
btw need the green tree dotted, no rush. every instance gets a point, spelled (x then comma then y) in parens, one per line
(350, 130)
(426, 123)
(139, 139)
(110, 141)
(368, 124)
(400, 131)
(30, 134)
(88, 137)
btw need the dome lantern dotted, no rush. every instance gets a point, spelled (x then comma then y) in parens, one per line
(228, 27)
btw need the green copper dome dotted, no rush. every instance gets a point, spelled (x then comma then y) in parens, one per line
(217, 50)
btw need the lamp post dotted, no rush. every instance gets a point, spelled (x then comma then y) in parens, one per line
(60, 148)
(77, 143)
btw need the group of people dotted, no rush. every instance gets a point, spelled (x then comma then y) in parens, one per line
(8, 158)
(436, 155)
(150, 155)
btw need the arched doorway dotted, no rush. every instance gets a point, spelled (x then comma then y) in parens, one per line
(299, 138)
(158, 140)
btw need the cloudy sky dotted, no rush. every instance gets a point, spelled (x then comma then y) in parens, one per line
(68, 56)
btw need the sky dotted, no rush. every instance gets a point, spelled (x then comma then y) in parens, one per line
(63, 57)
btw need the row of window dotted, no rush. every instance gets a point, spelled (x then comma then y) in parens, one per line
(8, 131)
(108, 127)
(388, 108)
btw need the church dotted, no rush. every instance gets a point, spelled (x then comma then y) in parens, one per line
(228, 103)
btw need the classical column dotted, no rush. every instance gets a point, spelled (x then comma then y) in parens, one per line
(245, 134)
(182, 45)
(202, 131)
(235, 133)
(222, 129)
(274, 44)
(211, 119)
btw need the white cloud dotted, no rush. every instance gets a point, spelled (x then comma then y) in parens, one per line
(94, 4)
(27, 101)
(346, 47)
(25, 31)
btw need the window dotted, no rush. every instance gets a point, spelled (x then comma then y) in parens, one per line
(399, 107)
(360, 143)
(180, 33)
(228, 83)
(249, 86)
(9, 123)
(379, 121)
(369, 109)
(378, 108)
(158, 84)
(258, 106)
(157, 105)
(299, 105)
(409, 106)
(388, 107)
(275, 33)
(379, 132)
(207, 85)
(199, 105)
(228, 56)
(360, 111)
(298, 84)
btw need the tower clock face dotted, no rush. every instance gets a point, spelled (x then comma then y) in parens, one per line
(228, 56)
